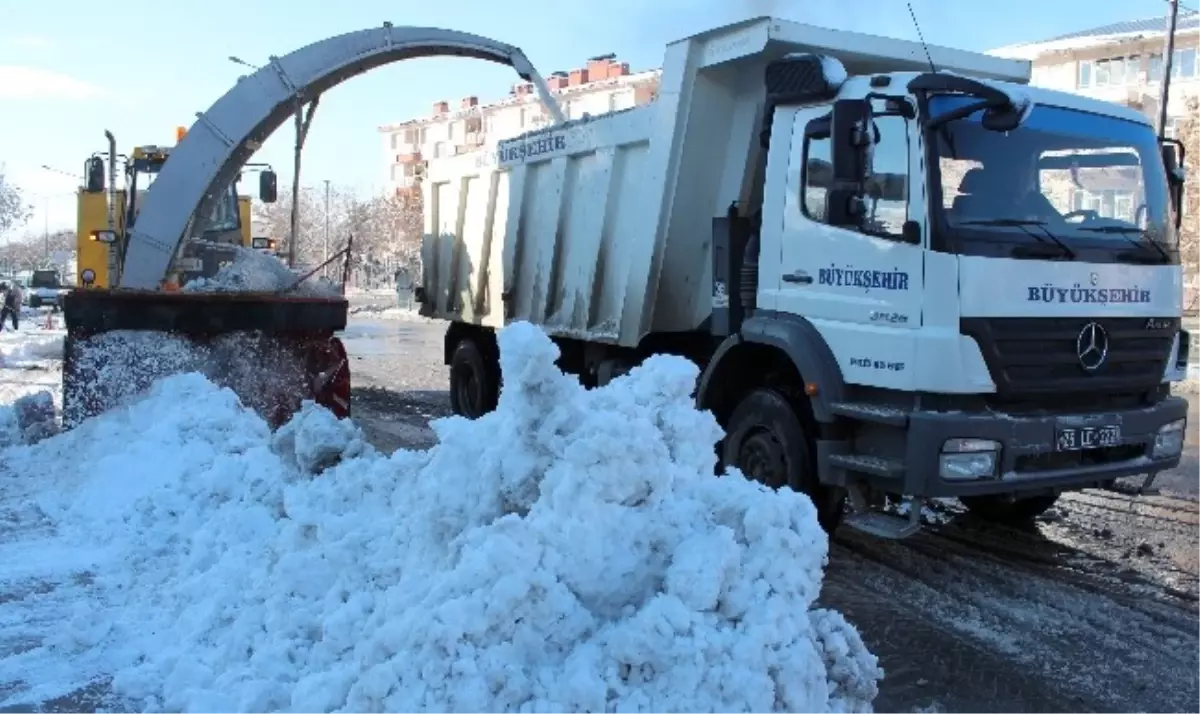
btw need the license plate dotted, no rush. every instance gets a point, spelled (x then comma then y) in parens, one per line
(1087, 437)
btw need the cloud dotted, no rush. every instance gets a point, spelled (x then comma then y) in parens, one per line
(23, 83)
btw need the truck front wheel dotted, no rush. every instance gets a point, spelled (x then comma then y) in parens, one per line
(768, 442)
(474, 380)
(1004, 508)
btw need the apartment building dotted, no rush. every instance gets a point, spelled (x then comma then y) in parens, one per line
(1121, 62)
(602, 85)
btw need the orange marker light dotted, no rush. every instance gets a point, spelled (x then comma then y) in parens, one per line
(180, 132)
(811, 389)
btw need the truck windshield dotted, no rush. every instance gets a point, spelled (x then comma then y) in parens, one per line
(44, 279)
(1091, 182)
(224, 216)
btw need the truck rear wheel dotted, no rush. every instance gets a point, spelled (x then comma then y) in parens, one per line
(474, 380)
(768, 442)
(1004, 508)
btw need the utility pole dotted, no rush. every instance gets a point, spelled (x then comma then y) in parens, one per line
(46, 229)
(1168, 62)
(325, 257)
(303, 119)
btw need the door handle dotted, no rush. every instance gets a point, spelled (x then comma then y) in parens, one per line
(798, 276)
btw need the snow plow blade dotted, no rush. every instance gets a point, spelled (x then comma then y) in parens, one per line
(273, 351)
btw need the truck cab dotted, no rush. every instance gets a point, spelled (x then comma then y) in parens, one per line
(991, 270)
(904, 273)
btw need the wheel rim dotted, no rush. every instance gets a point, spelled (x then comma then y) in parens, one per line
(761, 458)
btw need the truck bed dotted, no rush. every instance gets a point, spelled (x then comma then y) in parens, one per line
(562, 240)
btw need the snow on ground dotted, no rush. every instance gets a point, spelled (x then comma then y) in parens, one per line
(30, 345)
(381, 312)
(252, 271)
(522, 563)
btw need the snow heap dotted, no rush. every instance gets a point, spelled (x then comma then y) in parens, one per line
(255, 272)
(570, 551)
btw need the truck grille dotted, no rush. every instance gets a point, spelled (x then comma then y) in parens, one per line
(1029, 356)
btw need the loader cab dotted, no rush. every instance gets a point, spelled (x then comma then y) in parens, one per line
(223, 224)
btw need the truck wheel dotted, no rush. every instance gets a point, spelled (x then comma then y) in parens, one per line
(474, 380)
(767, 441)
(1004, 508)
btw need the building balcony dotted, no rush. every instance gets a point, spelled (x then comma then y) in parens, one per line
(410, 157)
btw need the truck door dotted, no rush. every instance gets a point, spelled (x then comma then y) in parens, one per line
(860, 287)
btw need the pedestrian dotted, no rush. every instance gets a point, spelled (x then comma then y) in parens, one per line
(12, 304)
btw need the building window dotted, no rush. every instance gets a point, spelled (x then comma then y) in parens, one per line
(1085, 74)
(1184, 65)
(1154, 73)
(1117, 205)
(1133, 69)
(887, 188)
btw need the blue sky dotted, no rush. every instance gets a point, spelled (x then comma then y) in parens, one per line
(63, 81)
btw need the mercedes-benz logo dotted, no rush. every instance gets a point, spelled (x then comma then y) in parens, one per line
(1092, 346)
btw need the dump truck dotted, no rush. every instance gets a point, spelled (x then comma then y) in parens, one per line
(904, 273)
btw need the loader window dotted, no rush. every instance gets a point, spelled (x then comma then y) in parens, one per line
(887, 188)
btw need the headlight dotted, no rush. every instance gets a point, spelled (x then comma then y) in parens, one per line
(88, 276)
(968, 459)
(1168, 441)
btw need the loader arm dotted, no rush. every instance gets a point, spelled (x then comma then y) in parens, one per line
(223, 138)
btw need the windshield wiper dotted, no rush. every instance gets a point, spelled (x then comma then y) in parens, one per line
(1124, 232)
(1023, 224)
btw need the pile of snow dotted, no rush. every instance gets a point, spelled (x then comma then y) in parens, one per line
(570, 551)
(255, 272)
(28, 420)
(20, 349)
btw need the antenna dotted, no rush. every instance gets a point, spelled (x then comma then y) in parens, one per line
(921, 37)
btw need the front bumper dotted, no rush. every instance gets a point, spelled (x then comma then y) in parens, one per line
(1028, 461)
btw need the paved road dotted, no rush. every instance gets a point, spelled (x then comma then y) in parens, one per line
(1092, 609)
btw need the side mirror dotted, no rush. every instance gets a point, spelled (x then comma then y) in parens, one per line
(852, 138)
(94, 170)
(1172, 157)
(267, 189)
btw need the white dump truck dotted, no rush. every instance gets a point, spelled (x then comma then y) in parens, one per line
(903, 272)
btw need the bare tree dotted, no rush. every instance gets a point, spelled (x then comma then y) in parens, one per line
(386, 230)
(1189, 234)
(13, 210)
(30, 252)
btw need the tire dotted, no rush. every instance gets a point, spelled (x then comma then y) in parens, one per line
(1004, 508)
(768, 442)
(474, 380)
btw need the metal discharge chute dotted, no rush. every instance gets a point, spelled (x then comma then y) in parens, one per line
(224, 137)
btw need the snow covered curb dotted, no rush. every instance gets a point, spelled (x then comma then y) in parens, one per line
(570, 551)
